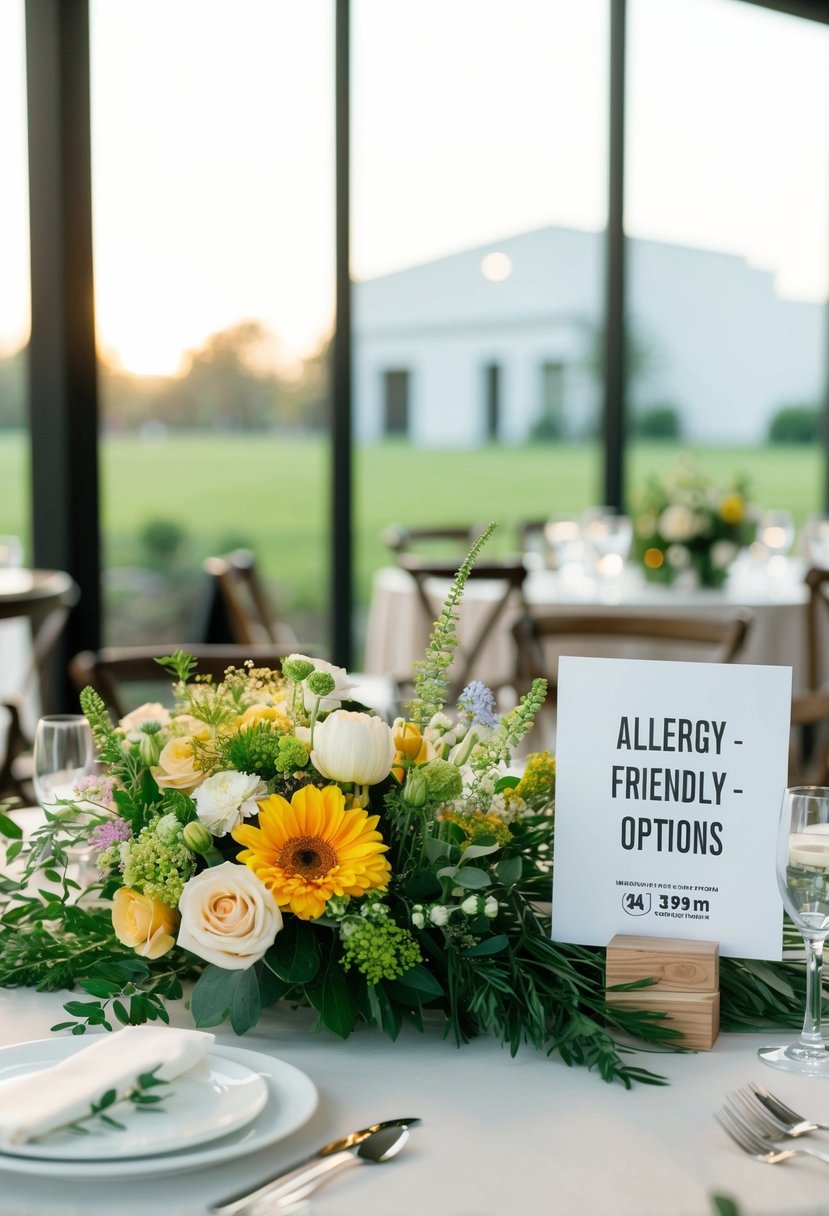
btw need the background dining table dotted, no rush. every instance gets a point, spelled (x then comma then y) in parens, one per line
(499, 1135)
(775, 593)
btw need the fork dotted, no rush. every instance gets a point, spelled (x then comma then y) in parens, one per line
(795, 1124)
(752, 1108)
(758, 1146)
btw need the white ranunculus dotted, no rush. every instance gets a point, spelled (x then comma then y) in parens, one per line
(152, 711)
(678, 557)
(350, 746)
(723, 553)
(677, 523)
(225, 799)
(228, 917)
(340, 692)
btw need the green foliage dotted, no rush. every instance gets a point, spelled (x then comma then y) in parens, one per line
(162, 539)
(659, 422)
(796, 424)
(431, 680)
(180, 664)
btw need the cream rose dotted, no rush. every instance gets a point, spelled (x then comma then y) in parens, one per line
(351, 746)
(225, 799)
(678, 523)
(144, 924)
(228, 917)
(152, 711)
(176, 768)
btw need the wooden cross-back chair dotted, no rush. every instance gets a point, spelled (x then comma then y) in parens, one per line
(444, 537)
(46, 605)
(538, 637)
(507, 578)
(817, 622)
(251, 615)
(125, 676)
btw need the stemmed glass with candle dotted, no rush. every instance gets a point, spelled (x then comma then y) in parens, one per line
(803, 879)
(64, 752)
(776, 532)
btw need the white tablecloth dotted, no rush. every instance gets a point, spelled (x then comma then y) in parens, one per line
(397, 632)
(499, 1136)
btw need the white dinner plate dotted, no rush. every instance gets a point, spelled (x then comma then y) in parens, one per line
(214, 1097)
(290, 1100)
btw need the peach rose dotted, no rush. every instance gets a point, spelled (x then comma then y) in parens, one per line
(144, 924)
(228, 917)
(176, 768)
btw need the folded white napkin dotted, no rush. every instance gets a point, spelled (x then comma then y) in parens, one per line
(39, 1102)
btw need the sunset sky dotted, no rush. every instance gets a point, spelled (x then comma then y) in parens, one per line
(472, 120)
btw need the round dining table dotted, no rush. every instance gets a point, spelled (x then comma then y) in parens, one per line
(498, 1136)
(774, 592)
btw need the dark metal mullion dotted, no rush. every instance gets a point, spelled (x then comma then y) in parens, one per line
(341, 539)
(614, 324)
(63, 395)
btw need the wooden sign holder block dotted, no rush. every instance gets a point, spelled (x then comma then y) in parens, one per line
(687, 981)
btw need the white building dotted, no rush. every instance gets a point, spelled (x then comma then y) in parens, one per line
(451, 357)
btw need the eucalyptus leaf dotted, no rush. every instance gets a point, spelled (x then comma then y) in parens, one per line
(509, 870)
(294, 957)
(212, 995)
(246, 1007)
(480, 850)
(472, 878)
(490, 945)
(332, 1000)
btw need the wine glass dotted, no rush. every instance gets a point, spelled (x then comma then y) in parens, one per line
(64, 751)
(776, 532)
(610, 536)
(803, 878)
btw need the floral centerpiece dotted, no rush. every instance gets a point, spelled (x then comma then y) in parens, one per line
(270, 841)
(685, 526)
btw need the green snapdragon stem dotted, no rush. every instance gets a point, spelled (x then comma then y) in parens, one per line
(314, 715)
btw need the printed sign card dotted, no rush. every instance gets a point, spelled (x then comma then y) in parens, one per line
(669, 781)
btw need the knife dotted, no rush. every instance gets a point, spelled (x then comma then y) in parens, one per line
(298, 1179)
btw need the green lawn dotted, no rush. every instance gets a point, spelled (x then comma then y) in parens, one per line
(271, 494)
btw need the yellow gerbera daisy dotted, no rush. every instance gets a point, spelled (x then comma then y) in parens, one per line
(311, 848)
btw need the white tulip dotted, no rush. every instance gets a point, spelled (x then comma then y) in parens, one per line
(353, 747)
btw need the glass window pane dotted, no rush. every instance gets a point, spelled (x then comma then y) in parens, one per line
(14, 293)
(213, 206)
(726, 203)
(479, 202)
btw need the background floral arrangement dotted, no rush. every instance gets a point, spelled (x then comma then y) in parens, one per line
(686, 526)
(271, 842)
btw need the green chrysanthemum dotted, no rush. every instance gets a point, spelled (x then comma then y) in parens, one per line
(157, 868)
(381, 950)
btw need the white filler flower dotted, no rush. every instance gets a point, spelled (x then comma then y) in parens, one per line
(225, 799)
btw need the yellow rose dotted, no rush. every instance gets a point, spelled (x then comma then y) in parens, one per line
(186, 725)
(144, 924)
(263, 713)
(176, 768)
(732, 509)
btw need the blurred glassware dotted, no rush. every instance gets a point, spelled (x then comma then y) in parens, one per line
(64, 751)
(776, 532)
(815, 541)
(564, 542)
(11, 552)
(609, 535)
